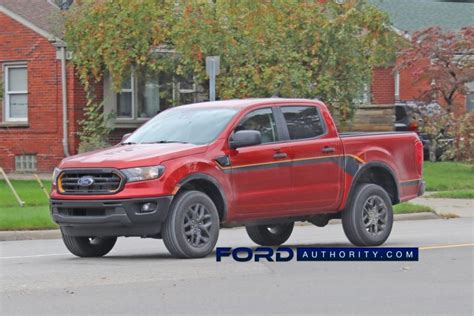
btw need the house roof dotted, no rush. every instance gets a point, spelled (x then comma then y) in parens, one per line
(40, 15)
(412, 15)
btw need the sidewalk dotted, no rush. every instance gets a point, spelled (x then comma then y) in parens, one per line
(459, 207)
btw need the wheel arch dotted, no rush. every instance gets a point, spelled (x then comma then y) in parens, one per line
(377, 173)
(210, 186)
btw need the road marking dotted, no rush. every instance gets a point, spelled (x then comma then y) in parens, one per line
(36, 256)
(446, 246)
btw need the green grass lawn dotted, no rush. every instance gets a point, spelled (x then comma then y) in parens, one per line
(458, 194)
(25, 218)
(35, 213)
(448, 176)
(29, 191)
(405, 208)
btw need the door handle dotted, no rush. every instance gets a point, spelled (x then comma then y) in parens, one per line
(327, 149)
(280, 155)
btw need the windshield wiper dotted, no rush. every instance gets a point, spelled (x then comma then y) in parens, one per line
(168, 142)
(128, 143)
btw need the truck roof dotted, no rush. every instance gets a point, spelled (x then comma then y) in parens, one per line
(243, 103)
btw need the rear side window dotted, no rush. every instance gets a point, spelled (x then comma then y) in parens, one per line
(261, 120)
(303, 121)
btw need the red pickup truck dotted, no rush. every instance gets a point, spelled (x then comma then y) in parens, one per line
(261, 163)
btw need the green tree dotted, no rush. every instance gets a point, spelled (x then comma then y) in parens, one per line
(288, 48)
(113, 37)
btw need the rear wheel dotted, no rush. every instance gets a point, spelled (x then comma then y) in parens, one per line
(368, 218)
(89, 246)
(192, 226)
(270, 235)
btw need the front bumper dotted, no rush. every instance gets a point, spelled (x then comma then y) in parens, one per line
(106, 218)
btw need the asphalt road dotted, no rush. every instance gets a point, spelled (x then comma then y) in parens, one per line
(139, 277)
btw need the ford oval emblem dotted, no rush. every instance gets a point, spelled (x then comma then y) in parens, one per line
(85, 181)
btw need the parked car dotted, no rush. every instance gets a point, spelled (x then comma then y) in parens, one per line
(407, 118)
(262, 163)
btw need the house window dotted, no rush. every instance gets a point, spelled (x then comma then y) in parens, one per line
(16, 93)
(470, 97)
(125, 102)
(144, 94)
(25, 163)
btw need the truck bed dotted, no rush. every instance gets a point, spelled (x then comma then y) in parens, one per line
(393, 149)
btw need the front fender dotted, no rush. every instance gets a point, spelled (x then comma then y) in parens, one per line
(185, 170)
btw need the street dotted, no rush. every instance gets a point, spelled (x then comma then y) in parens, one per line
(139, 277)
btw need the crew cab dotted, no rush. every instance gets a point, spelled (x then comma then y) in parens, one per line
(261, 163)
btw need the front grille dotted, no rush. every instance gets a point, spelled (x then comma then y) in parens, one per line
(90, 181)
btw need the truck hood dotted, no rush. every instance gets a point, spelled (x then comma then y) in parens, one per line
(129, 156)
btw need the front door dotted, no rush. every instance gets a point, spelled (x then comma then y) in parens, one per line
(261, 174)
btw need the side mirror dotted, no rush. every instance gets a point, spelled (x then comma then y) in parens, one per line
(245, 138)
(124, 137)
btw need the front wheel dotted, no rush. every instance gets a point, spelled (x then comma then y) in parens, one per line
(89, 246)
(192, 226)
(368, 218)
(270, 235)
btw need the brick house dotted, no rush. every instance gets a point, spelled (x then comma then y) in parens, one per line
(43, 99)
(34, 71)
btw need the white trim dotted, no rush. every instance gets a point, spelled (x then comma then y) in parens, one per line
(397, 85)
(27, 23)
(6, 68)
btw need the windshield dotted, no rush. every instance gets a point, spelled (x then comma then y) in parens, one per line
(184, 125)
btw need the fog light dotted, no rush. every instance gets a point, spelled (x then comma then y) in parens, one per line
(148, 207)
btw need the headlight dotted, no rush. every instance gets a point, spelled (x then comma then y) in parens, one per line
(56, 173)
(143, 173)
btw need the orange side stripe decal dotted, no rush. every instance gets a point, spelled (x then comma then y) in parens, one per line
(288, 160)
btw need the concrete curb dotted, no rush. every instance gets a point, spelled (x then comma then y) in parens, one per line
(29, 234)
(56, 234)
(416, 216)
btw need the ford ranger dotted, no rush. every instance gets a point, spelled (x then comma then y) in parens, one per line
(261, 163)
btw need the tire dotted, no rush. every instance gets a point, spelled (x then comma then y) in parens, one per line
(89, 246)
(270, 235)
(191, 228)
(368, 218)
